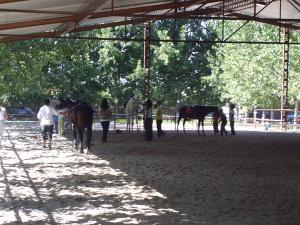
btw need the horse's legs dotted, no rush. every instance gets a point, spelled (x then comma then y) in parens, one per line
(137, 121)
(74, 136)
(88, 138)
(132, 122)
(128, 122)
(178, 121)
(202, 121)
(199, 126)
(80, 133)
(183, 124)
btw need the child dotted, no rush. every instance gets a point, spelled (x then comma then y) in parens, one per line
(105, 115)
(159, 119)
(223, 120)
(148, 120)
(61, 113)
(215, 121)
(231, 118)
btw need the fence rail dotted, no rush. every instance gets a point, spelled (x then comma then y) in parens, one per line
(118, 120)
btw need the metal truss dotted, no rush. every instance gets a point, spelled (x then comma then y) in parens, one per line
(237, 5)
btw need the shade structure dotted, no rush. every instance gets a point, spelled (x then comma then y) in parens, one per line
(26, 19)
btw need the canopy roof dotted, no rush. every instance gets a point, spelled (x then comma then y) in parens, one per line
(26, 19)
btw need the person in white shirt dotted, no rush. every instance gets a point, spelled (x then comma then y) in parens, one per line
(3, 117)
(45, 116)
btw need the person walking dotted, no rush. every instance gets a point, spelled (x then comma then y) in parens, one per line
(45, 116)
(223, 120)
(215, 121)
(159, 119)
(3, 118)
(55, 120)
(231, 118)
(148, 120)
(105, 115)
(61, 119)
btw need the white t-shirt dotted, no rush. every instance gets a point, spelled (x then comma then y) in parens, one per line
(2, 113)
(45, 115)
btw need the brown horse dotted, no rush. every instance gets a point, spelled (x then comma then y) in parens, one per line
(195, 112)
(82, 118)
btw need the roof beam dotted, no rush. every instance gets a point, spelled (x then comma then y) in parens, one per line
(11, 1)
(41, 11)
(268, 21)
(39, 22)
(113, 12)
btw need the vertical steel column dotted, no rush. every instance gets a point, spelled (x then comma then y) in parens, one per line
(147, 61)
(285, 78)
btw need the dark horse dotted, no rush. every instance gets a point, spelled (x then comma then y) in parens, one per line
(195, 112)
(82, 118)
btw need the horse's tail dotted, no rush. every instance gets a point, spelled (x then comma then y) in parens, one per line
(88, 117)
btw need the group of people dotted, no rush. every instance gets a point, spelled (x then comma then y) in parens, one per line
(220, 117)
(148, 119)
(105, 114)
(51, 118)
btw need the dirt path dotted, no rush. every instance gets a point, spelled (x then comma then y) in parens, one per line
(250, 179)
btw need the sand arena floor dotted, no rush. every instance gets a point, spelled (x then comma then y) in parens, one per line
(248, 179)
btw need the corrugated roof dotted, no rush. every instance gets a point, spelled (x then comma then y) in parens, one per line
(25, 19)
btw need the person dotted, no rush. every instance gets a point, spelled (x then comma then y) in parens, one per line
(215, 121)
(223, 120)
(45, 116)
(159, 119)
(61, 118)
(231, 118)
(105, 115)
(148, 120)
(55, 120)
(3, 118)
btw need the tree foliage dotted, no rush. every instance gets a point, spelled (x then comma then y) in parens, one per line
(181, 73)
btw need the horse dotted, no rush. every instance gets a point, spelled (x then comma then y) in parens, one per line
(195, 112)
(132, 110)
(81, 118)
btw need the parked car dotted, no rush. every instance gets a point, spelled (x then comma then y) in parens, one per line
(291, 116)
(16, 113)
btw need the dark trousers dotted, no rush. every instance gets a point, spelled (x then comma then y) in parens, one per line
(47, 132)
(105, 127)
(223, 130)
(159, 130)
(148, 129)
(232, 127)
(216, 127)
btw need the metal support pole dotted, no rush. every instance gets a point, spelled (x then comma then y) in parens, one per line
(285, 78)
(147, 61)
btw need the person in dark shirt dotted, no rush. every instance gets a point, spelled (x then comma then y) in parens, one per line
(231, 118)
(223, 120)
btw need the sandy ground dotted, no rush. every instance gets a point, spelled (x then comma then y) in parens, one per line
(248, 179)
